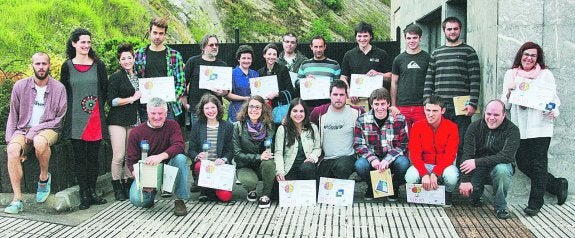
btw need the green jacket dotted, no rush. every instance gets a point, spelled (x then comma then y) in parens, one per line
(246, 151)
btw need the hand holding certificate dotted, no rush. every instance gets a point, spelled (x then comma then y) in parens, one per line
(532, 93)
(215, 77)
(160, 87)
(216, 176)
(416, 194)
(264, 86)
(362, 85)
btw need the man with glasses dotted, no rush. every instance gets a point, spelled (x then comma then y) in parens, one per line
(454, 71)
(209, 46)
(159, 60)
(291, 57)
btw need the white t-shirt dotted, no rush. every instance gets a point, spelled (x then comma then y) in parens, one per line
(39, 106)
(338, 133)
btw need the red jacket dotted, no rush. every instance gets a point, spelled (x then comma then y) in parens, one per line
(429, 147)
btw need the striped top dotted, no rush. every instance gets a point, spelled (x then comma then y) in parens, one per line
(326, 67)
(212, 137)
(453, 71)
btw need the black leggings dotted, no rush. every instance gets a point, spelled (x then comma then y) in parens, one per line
(86, 167)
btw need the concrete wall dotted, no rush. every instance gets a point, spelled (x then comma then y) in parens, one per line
(496, 29)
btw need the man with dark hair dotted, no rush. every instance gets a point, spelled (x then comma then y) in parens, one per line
(408, 77)
(159, 60)
(166, 145)
(319, 65)
(380, 140)
(489, 157)
(365, 58)
(335, 121)
(290, 57)
(37, 108)
(432, 149)
(454, 71)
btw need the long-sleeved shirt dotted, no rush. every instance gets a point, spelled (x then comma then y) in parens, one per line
(386, 142)
(22, 102)
(490, 147)
(438, 147)
(453, 71)
(167, 138)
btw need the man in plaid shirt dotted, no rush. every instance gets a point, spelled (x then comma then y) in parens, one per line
(380, 140)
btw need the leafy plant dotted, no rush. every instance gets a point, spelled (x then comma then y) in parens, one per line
(320, 26)
(334, 4)
(5, 92)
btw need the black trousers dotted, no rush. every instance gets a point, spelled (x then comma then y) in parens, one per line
(532, 161)
(462, 123)
(86, 166)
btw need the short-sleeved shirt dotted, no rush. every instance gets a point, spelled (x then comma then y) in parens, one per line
(338, 133)
(411, 69)
(356, 62)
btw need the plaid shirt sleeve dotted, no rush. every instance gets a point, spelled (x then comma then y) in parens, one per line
(176, 69)
(399, 141)
(364, 135)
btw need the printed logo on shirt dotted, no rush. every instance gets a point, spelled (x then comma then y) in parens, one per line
(374, 60)
(413, 65)
(41, 104)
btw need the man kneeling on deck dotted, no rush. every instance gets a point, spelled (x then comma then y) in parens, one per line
(166, 145)
(488, 157)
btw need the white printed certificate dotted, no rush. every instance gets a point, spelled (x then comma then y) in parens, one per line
(532, 93)
(160, 87)
(215, 77)
(416, 194)
(362, 85)
(264, 86)
(314, 88)
(297, 193)
(216, 176)
(337, 192)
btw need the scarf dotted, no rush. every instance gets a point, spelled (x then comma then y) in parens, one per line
(531, 74)
(257, 131)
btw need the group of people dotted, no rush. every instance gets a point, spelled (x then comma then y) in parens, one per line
(411, 128)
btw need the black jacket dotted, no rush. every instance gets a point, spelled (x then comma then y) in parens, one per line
(119, 86)
(225, 146)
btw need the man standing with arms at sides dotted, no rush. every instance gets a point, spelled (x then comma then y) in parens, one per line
(37, 106)
(365, 58)
(454, 71)
(432, 148)
(380, 141)
(318, 66)
(291, 57)
(335, 122)
(210, 47)
(489, 157)
(408, 77)
(159, 60)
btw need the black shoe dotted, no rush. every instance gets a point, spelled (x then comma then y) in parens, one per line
(368, 196)
(127, 184)
(252, 196)
(265, 202)
(502, 214)
(180, 208)
(194, 188)
(531, 211)
(166, 194)
(84, 200)
(203, 198)
(448, 198)
(476, 202)
(118, 190)
(564, 190)
(95, 199)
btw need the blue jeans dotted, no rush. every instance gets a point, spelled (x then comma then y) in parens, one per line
(398, 168)
(449, 177)
(500, 178)
(181, 191)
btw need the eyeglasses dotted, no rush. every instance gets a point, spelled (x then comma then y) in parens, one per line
(529, 55)
(214, 45)
(254, 107)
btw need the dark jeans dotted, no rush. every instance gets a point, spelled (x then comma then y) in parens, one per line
(86, 166)
(462, 124)
(499, 177)
(398, 168)
(341, 167)
(532, 161)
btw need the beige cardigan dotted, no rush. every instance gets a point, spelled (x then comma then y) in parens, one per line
(284, 159)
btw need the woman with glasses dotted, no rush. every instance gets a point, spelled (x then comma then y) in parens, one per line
(211, 139)
(252, 138)
(241, 80)
(124, 100)
(535, 125)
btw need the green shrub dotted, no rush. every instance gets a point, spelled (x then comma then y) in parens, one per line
(320, 26)
(107, 51)
(333, 4)
(5, 92)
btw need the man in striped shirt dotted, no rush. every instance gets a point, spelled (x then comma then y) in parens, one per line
(454, 71)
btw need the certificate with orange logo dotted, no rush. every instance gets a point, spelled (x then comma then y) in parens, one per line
(337, 192)
(216, 176)
(215, 77)
(264, 86)
(532, 93)
(297, 193)
(362, 85)
(416, 194)
(312, 88)
(159, 87)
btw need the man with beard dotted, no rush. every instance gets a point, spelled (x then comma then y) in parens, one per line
(159, 60)
(380, 140)
(454, 71)
(37, 107)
